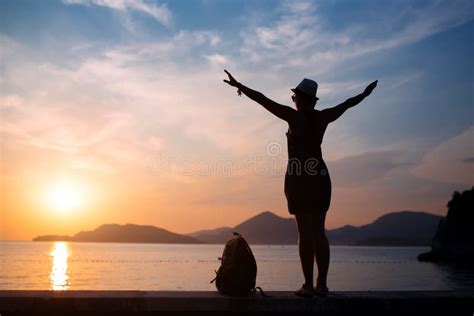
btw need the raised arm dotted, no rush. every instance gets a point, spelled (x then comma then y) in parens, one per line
(284, 112)
(332, 114)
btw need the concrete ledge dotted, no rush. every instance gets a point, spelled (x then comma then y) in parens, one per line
(205, 302)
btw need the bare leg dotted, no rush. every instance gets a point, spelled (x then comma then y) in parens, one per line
(306, 246)
(321, 248)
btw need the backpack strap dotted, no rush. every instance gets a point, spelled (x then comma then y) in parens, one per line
(214, 278)
(254, 290)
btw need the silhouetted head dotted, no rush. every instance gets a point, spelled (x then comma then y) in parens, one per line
(305, 94)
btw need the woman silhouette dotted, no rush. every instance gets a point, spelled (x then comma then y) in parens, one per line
(307, 180)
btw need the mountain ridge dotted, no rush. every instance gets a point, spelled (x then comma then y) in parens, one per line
(401, 228)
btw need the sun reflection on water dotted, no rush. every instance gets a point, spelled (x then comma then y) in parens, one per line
(59, 266)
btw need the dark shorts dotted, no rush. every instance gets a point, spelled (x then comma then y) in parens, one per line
(308, 193)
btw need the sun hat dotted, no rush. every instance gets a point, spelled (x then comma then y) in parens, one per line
(308, 87)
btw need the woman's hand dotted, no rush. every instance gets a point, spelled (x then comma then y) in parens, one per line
(231, 80)
(370, 88)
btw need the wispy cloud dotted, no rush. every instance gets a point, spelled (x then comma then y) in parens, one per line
(299, 38)
(160, 12)
(10, 101)
(37, 125)
(449, 161)
(364, 169)
(468, 160)
(105, 97)
(218, 60)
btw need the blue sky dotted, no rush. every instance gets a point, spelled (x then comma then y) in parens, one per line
(95, 90)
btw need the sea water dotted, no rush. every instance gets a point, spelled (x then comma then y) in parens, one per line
(28, 265)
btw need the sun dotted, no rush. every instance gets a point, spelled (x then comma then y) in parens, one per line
(65, 197)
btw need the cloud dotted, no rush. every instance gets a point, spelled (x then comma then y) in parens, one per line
(122, 104)
(10, 101)
(300, 39)
(218, 59)
(468, 160)
(49, 128)
(182, 47)
(9, 47)
(161, 13)
(364, 169)
(450, 161)
(68, 115)
(92, 164)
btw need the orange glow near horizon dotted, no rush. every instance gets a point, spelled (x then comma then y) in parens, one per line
(59, 278)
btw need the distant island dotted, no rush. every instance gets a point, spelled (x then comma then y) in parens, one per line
(405, 228)
(454, 238)
(128, 233)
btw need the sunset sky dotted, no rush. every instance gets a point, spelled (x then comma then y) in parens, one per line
(114, 111)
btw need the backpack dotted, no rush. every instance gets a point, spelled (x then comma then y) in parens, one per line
(238, 271)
